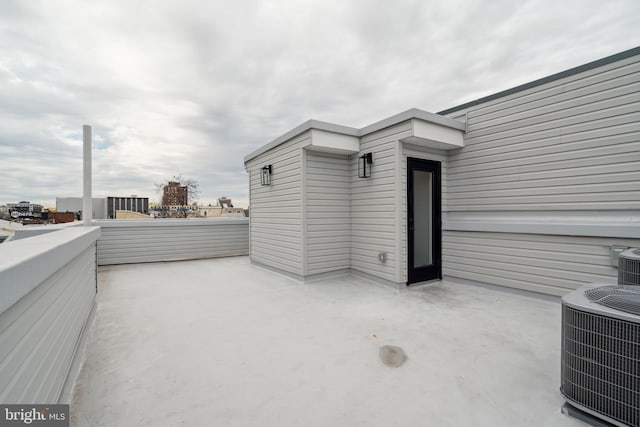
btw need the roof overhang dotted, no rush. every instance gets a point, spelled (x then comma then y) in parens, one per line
(331, 142)
(428, 130)
(321, 139)
(432, 135)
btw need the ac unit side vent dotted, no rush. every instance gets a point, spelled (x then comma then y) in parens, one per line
(629, 267)
(623, 298)
(601, 365)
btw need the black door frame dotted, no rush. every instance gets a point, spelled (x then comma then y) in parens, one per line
(433, 271)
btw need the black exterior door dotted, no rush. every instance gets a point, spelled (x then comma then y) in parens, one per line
(424, 220)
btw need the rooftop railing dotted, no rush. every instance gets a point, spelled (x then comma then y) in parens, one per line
(134, 241)
(47, 289)
(48, 282)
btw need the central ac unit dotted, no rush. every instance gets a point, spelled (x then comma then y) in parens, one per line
(629, 267)
(601, 352)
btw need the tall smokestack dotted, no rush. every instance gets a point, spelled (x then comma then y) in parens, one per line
(87, 200)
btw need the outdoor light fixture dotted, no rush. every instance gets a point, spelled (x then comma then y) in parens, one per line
(364, 165)
(265, 175)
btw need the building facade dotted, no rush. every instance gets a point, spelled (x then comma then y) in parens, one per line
(133, 204)
(217, 211)
(529, 188)
(175, 194)
(74, 204)
(104, 207)
(24, 209)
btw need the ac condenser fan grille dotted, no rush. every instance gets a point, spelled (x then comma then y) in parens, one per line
(623, 298)
(601, 365)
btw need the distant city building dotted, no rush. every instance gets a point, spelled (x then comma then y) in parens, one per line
(174, 194)
(105, 207)
(223, 207)
(134, 204)
(225, 202)
(24, 210)
(217, 211)
(74, 204)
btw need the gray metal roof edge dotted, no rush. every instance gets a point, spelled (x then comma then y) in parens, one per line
(412, 113)
(308, 125)
(557, 76)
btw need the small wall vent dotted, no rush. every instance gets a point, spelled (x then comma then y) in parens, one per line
(629, 267)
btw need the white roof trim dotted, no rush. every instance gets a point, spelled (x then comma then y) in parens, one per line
(332, 142)
(429, 134)
(309, 124)
(413, 113)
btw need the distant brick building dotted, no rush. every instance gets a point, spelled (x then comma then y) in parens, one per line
(175, 194)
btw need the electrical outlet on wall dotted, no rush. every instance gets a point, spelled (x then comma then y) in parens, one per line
(382, 256)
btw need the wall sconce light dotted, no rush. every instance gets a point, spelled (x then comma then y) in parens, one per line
(265, 175)
(364, 165)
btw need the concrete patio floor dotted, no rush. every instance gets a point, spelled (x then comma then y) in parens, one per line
(223, 343)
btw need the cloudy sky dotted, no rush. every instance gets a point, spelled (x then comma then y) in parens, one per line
(190, 87)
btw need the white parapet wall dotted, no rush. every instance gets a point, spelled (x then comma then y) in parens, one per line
(154, 240)
(48, 288)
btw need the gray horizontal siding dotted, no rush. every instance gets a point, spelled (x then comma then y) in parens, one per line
(374, 214)
(572, 83)
(573, 144)
(39, 334)
(541, 263)
(276, 209)
(328, 212)
(168, 240)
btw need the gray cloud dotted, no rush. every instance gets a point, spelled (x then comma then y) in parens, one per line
(191, 87)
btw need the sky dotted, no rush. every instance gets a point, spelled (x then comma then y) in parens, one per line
(191, 87)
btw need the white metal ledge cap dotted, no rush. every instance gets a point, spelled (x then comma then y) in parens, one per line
(26, 263)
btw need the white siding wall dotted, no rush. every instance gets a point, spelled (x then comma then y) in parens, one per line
(41, 332)
(132, 241)
(328, 212)
(276, 209)
(540, 263)
(374, 211)
(568, 145)
(410, 150)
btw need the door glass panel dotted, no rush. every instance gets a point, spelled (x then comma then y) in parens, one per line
(422, 218)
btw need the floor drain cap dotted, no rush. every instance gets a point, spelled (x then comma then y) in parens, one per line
(392, 355)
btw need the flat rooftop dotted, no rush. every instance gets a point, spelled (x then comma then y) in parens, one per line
(223, 342)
